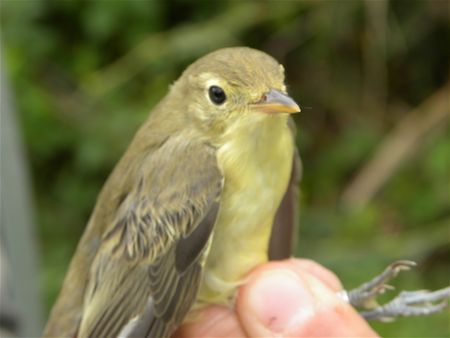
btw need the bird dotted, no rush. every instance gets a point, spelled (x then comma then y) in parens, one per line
(198, 200)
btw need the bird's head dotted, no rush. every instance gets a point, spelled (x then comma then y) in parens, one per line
(234, 86)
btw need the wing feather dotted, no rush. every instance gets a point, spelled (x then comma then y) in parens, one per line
(146, 275)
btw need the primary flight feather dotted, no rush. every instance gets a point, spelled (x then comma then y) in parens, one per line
(190, 207)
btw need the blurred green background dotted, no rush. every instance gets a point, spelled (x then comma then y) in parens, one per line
(372, 78)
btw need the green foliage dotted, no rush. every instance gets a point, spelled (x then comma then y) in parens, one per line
(86, 74)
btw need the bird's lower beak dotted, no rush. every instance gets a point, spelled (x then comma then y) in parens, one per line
(275, 102)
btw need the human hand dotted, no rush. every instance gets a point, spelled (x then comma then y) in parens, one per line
(291, 298)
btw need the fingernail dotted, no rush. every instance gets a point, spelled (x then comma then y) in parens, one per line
(281, 300)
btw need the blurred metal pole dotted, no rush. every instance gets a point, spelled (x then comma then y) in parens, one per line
(20, 300)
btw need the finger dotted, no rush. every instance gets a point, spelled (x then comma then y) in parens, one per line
(286, 299)
(213, 321)
(323, 274)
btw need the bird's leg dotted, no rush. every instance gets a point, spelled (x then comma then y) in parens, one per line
(407, 303)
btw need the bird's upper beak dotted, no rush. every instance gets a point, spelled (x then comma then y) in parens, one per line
(275, 102)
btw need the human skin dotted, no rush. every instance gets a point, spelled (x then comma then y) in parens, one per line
(291, 298)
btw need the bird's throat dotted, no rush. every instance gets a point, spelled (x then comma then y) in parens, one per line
(256, 164)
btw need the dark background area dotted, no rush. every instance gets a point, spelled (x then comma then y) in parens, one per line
(372, 78)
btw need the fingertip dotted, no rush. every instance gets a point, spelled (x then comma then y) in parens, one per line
(296, 298)
(325, 275)
(274, 300)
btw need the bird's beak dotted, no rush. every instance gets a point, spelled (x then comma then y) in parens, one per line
(274, 102)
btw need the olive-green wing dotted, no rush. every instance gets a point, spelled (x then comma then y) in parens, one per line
(285, 224)
(146, 275)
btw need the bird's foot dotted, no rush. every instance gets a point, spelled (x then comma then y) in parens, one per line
(410, 303)
(407, 303)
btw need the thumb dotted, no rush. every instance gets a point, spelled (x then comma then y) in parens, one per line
(285, 299)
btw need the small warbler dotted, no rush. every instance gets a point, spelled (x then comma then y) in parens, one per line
(189, 208)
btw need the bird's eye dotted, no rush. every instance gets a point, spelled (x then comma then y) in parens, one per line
(217, 95)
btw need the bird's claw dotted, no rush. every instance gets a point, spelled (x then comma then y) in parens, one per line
(367, 292)
(410, 303)
(407, 303)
